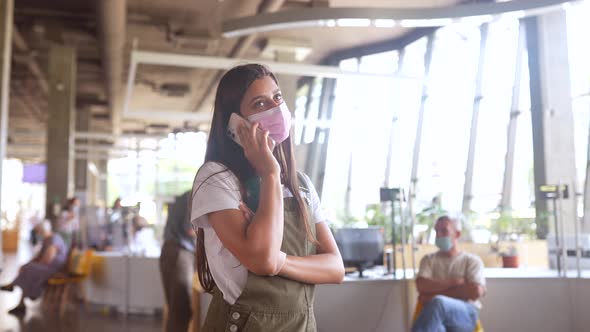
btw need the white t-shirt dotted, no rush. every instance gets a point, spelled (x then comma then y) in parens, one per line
(67, 225)
(465, 265)
(215, 189)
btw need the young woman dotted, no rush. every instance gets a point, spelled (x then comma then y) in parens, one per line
(260, 266)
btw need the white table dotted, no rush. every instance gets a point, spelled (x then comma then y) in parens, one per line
(127, 283)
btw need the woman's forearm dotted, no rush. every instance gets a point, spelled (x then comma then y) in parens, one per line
(315, 269)
(265, 232)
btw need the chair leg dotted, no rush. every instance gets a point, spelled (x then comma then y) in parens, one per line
(78, 294)
(64, 300)
(62, 290)
(45, 298)
(82, 296)
(57, 298)
(48, 297)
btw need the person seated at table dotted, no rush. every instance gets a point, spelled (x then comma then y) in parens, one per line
(450, 283)
(68, 223)
(143, 239)
(33, 276)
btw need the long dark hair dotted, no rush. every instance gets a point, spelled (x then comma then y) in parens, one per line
(223, 150)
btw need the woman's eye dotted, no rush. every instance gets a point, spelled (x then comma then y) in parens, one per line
(259, 104)
(279, 97)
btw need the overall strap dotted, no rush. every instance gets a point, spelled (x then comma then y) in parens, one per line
(304, 184)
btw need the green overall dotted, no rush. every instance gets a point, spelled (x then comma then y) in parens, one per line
(270, 303)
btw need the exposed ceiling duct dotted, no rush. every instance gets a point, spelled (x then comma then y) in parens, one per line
(112, 19)
(21, 45)
(240, 48)
(102, 31)
(174, 89)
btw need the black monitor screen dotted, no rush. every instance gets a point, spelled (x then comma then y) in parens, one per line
(360, 247)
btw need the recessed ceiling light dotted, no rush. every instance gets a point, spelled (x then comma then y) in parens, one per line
(384, 23)
(353, 22)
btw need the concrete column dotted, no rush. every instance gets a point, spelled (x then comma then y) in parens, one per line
(302, 150)
(102, 182)
(6, 16)
(301, 153)
(551, 112)
(288, 83)
(92, 188)
(81, 176)
(60, 126)
(468, 185)
(318, 151)
(506, 200)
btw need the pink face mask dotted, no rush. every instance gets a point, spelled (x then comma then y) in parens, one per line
(276, 120)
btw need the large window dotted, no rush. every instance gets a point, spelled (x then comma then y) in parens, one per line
(376, 117)
(367, 112)
(156, 169)
(579, 57)
(447, 117)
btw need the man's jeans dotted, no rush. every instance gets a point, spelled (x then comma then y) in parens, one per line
(446, 314)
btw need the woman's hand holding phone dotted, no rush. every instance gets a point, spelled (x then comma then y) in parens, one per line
(258, 150)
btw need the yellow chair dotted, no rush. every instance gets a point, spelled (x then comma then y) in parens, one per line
(59, 286)
(420, 306)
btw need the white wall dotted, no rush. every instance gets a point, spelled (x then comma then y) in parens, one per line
(581, 297)
(375, 305)
(526, 304)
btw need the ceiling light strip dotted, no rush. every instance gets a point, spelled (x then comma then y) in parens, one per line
(298, 69)
(199, 61)
(309, 17)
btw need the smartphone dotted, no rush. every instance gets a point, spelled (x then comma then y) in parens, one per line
(232, 129)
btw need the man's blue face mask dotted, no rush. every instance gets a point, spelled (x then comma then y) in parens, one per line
(444, 243)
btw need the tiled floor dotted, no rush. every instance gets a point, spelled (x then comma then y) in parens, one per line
(77, 319)
(74, 322)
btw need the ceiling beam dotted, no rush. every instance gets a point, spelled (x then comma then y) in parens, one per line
(239, 49)
(105, 136)
(35, 114)
(33, 100)
(383, 46)
(288, 68)
(21, 45)
(197, 61)
(112, 20)
(111, 137)
(404, 17)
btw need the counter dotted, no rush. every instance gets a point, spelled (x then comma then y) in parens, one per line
(527, 299)
(523, 300)
(126, 283)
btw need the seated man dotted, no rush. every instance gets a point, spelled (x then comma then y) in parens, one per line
(450, 283)
(33, 276)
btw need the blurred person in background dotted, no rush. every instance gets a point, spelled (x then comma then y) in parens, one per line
(35, 220)
(177, 264)
(68, 223)
(450, 283)
(33, 276)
